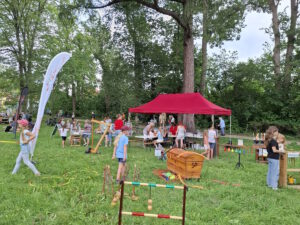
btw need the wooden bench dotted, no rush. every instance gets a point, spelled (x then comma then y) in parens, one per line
(75, 140)
(4, 120)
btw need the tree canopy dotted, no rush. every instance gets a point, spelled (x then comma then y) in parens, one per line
(126, 52)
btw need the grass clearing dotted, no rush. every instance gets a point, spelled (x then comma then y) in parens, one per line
(69, 189)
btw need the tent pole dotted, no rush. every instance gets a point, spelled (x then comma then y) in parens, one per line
(230, 127)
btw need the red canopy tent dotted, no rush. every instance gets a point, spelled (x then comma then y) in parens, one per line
(186, 103)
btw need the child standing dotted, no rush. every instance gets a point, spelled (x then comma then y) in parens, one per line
(108, 135)
(206, 144)
(63, 133)
(120, 151)
(25, 138)
(281, 142)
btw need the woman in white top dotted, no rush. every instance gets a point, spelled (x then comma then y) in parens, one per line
(180, 134)
(212, 135)
(146, 131)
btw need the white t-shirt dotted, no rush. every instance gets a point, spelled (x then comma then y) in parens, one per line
(63, 132)
(211, 136)
(26, 137)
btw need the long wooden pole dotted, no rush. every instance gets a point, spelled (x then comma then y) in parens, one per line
(154, 185)
(92, 134)
(121, 203)
(183, 204)
(104, 178)
(159, 216)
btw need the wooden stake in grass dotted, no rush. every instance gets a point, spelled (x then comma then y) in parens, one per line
(107, 180)
(136, 177)
(126, 172)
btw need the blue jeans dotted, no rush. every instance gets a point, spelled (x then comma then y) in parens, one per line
(273, 173)
(116, 133)
(222, 131)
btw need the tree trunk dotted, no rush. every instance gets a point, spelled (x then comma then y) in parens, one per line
(19, 54)
(73, 98)
(188, 77)
(138, 74)
(188, 60)
(204, 48)
(276, 51)
(188, 63)
(290, 44)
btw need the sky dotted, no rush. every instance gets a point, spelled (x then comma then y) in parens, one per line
(253, 36)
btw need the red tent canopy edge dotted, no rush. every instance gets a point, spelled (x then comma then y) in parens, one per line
(184, 103)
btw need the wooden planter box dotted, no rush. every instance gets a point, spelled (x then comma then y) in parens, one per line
(186, 164)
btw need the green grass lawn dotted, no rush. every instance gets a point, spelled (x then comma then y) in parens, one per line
(69, 189)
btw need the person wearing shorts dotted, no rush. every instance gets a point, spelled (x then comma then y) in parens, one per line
(63, 131)
(120, 151)
(87, 132)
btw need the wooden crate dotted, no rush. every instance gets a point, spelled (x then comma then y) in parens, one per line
(186, 164)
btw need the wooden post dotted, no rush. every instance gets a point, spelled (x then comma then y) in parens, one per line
(111, 180)
(104, 178)
(92, 135)
(183, 204)
(283, 170)
(121, 203)
(217, 146)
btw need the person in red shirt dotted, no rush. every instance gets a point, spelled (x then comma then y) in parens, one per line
(173, 131)
(118, 124)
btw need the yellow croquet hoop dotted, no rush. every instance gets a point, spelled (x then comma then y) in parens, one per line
(189, 186)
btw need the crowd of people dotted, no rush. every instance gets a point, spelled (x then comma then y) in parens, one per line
(11, 118)
(73, 128)
(273, 141)
(177, 133)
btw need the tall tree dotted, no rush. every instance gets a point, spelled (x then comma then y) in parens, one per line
(291, 39)
(284, 32)
(76, 82)
(184, 18)
(21, 24)
(273, 4)
(222, 20)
